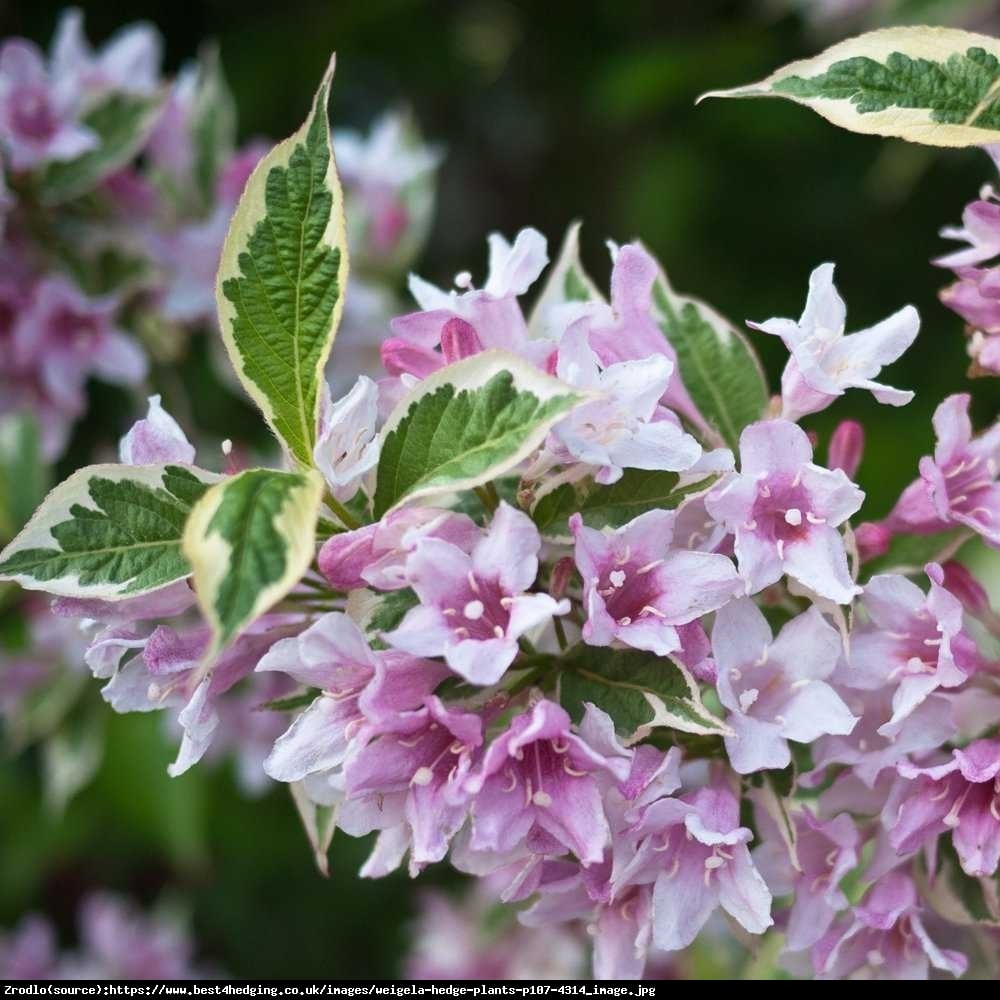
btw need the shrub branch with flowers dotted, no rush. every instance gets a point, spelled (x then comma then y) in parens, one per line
(565, 598)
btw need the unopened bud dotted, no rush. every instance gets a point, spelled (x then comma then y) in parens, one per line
(459, 340)
(847, 445)
(561, 573)
(873, 540)
(967, 589)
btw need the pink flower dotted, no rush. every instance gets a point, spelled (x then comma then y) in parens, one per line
(488, 318)
(638, 590)
(157, 438)
(375, 555)
(961, 478)
(961, 795)
(627, 331)
(67, 336)
(363, 692)
(694, 852)
(824, 363)
(913, 642)
(428, 766)
(625, 428)
(540, 774)
(39, 114)
(884, 938)
(824, 853)
(980, 229)
(347, 448)
(474, 607)
(784, 512)
(776, 689)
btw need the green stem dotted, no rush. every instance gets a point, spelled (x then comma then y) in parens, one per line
(488, 496)
(560, 633)
(348, 520)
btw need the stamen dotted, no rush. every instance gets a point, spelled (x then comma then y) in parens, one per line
(781, 548)
(473, 582)
(498, 631)
(625, 621)
(649, 567)
(506, 603)
(813, 519)
(512, 777)
(764, 491)
(624, 557)
(422, 776)
(751, 525)
(542, 799)
(648, 609)
(448, 612)
(793, 516)
(572, 771)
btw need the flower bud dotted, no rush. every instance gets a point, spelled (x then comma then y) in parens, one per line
(561, 573)
(873, 539)
(847, 446)
(459, 340)
(967, 589)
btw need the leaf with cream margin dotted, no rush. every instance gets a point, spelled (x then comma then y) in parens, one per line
(467, 424)
(280, 287)
(718, 366)
(249, 540)
(566, 282)
(639, 690)
(935, 86)
(122, 123)
(108, 532)
(319, 823)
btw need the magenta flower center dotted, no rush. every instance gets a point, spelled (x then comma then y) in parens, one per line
(73, 330)
(631, 587)
(482, 610)
(782, 512)
(31, 114)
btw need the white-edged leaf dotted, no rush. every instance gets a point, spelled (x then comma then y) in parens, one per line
(566, 282)
(122, 123)
(280, 287)
(319, 823)
(717, 365)
(640, 691)
(467, 424)
(108, 532)
(249, 540)
(935, 86)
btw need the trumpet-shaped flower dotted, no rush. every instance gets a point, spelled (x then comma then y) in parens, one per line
(784, 512)
(825, 362)
(625, 428)
(639, 590)
(776, 689)
(474, 607)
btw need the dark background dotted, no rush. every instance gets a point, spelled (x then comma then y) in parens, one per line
(549, 112)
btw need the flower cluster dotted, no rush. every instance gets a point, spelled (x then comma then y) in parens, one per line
(975, 294)
(116, 940)
(557, 600)
(432, 651)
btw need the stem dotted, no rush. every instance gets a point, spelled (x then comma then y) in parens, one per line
(527, 680)
(348, 520)
(488, 496)
(560, 633)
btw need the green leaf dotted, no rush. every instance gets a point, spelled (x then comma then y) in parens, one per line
(717, 365)
(637, 492)
(292, 703)
(24, 475)
(391, 609)
(936, 86)
(249, 540)
(567, 281)
(909, 554)
(465, 425)
(640, 691)
(122, 123)
(213, 122)
(282, 277)
(108, 532)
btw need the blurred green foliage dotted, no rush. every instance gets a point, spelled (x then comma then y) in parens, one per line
(549, 112)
